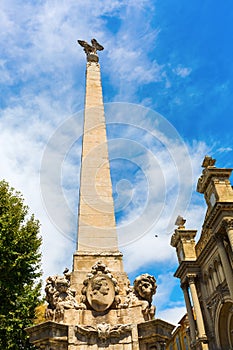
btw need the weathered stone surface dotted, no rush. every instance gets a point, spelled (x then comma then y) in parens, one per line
(96, 209)
(49, 335)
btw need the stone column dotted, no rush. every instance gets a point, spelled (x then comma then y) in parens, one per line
(228, 223)
(190, 312)
(225, 263)
(196, 306)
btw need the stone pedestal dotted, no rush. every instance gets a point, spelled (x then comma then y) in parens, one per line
(54, 336)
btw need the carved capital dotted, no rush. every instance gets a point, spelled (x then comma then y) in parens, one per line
(228, 224)
(191, 278)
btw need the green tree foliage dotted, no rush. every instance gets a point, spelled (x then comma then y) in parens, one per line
(19, 269)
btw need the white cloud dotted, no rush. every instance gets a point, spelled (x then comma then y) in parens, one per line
(172, 315)
(182, 72)
(224, 149)
(166, 308)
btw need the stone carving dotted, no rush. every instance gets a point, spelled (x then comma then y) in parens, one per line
(104, 330)
(91, 50)
(60, 297)
(180, 222)
(100, 289)
(144, 289)
(208, 162)
(204, 239)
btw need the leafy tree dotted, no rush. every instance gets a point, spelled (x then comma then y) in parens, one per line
(40, 313)
(19, 269)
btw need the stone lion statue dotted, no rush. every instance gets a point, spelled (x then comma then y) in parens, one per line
(144, 289)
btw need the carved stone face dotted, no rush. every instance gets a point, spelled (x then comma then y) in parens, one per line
(100, 285)
(61, 285)
(100, 293)
(145, 287)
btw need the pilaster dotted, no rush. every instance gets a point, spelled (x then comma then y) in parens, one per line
(190, 313)
(202, 338)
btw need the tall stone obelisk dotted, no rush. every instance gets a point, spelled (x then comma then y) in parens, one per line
(97, 235)
(94, 307)
(96, 219)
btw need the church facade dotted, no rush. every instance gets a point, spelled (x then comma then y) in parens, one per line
(206, 267)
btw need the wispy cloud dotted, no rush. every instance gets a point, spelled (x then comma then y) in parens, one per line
(224, 149)
(182, 71)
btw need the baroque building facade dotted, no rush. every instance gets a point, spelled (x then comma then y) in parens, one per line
(94, 306)
(206, 268)
(180, 339)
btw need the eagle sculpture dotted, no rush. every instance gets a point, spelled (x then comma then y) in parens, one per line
(88, 49)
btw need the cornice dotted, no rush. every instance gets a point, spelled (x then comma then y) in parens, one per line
(98, 253)
(217, 209)
(221, 214)
(208, 174)
(185, 268)
(182, 235)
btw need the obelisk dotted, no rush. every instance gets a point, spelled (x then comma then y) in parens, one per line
(94, 307)
(97, 234)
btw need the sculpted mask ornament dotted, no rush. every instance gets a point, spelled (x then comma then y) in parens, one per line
(100, 288)
(104, 331)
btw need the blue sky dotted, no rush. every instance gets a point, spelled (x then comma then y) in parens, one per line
(167, 75)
